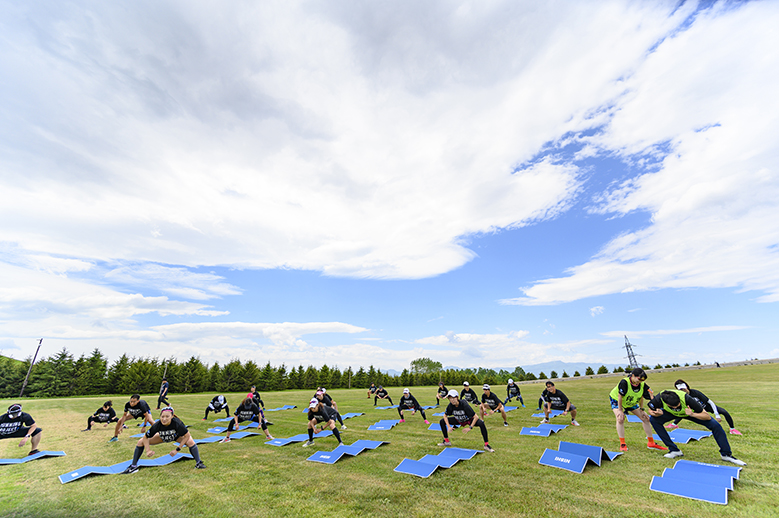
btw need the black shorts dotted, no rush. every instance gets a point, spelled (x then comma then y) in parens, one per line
(21, 432)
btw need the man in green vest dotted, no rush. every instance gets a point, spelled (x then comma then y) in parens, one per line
(626, 397)
(672, 404)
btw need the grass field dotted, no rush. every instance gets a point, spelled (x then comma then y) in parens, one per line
(248, 478)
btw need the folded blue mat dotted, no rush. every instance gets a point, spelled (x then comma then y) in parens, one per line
(34, 456)
(427, 465)
(331, 457)
(164, 460)
(301, 437)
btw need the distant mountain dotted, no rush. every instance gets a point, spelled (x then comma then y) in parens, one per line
(570, 368)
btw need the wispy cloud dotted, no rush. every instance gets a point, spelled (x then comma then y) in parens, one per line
(597, 310)
(658, 332)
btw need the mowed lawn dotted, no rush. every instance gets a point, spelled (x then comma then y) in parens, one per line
(246, 478)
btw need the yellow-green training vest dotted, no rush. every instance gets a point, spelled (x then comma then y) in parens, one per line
(680, 412)
(631, 398)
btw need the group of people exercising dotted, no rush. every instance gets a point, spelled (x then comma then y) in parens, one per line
(666, 408)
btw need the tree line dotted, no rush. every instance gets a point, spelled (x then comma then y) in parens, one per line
(62, 375)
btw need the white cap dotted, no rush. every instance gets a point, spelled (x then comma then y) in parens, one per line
(452, 393)
(313, 403)
(406, 391)
(486, 387)
(681, 386)
(511, 380)
(324, 390)
(466, 384)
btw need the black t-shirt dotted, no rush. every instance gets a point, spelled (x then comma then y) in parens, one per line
(409, 401)
(493, 401)
(9, 425)
(382, 392)
(168, 433)
(324, 414)
(247, 414)
(463, 412)
(622, 388)
(372, 389)
(512, 390)
(700, 397)
(443, 391)
(218, 402)
(164, 388)
(558, 400)
(138, 410)
(469, 395)
(327, 400)
(657, 404)
(103, 416)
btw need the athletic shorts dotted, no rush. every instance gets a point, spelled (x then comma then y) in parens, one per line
(21, 432)
(615, 405)
(573, 407)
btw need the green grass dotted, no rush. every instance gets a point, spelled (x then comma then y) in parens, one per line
(247, 478)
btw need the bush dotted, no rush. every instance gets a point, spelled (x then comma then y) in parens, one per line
(603, 370)
(589, 371)
(542, 376)
(565, 375)
(553, 374)
(576, 374)
(658, 366)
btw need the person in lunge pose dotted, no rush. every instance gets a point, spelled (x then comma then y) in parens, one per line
(105, 414)
(371, 390)
(133, 409)
(18, 424)
(320, 413)
(247, 411)
(708, 405)
(460, 413)
(257, 398)
(168, 429)
(216, 405)
(555, 400)
(467, 394)
(409, 402)
(626, 397)
(670, 404)
(326, 400)
(163, 399)
(512, 391)
(381, 393)
(490, 402)
(441, 393)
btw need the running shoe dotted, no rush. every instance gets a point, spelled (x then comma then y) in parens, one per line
(88, 429)
(270, 437)
(226, 439)
(523, 405)
(505, 423)
(447, 442)
(33, 452)
(130, 469)
(544, 421)
(623, 447)
(307, 444)
(402, 420)
(427, 422)
(204, 419)
(343, 427)
(672, 426)
(655, 446)
(734, 460)
(573, 422)
(677, 453)
(733, 431)
(113, 439)
(487, 448)
(200, 465)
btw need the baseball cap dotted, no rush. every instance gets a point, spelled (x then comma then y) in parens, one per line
(466, 384)
(313, 403)
(511, 380)
(452, 393)
(406, 391)
(486, 387)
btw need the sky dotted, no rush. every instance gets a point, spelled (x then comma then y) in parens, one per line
(486, 184)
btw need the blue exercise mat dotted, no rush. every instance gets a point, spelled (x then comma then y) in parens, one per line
(542, 430)
(427, 465)
(428, 407)
(301, 437)
(384, 424)
(713, 479)
(331, 457)
(224, 419)
(553, 427)
(285, 407)
(384, 407)
(684, 435)
(222, 429)
(351, 414)
(595, 453)
(164, 460)
(552, 413)
(692, 490)
(702, 467)
(437, 427)
(633, 419)
(574, 457)
(34, 456)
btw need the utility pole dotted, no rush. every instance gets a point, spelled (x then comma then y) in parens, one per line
(24, 385)
(631, 356)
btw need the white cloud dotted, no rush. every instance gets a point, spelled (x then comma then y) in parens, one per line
(596, 310)
(710, 99)
(178, 282)
(331, 139)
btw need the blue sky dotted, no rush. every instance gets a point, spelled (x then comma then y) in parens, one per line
(485, 184)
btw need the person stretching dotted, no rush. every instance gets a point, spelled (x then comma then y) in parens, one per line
(467, 394)
(216, 405)
(491, 403)
(555, 400)
(105, 414)
(247, 411)
(320, 413)
(18, 424)
(409, 402)
(134, 409)
(168, 429)
(512, 391)
(381, 393)
(626, 397)
(460, 413)
(708, 405)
